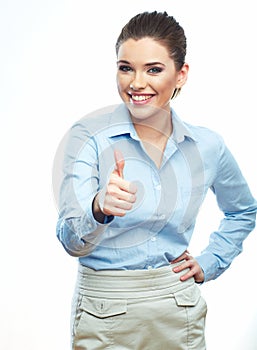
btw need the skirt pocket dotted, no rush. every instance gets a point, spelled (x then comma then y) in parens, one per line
(188, 296)
(193, 306)
(97, 319)
(103, 308)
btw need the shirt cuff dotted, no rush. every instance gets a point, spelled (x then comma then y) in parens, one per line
(209, 265)
(89, 225)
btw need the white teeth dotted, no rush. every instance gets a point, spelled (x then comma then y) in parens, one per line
(140, 97)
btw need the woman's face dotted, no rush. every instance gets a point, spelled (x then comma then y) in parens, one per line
(146, 75)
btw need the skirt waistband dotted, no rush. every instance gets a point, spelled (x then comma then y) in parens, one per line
(131, 283)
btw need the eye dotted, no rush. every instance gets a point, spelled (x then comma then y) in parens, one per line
(155, 70)
(124, 68)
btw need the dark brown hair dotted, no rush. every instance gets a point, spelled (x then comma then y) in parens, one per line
(160, 27)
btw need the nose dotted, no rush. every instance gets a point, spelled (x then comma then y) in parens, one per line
(138, 82)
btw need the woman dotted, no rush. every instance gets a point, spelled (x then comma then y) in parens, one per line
(134, 179)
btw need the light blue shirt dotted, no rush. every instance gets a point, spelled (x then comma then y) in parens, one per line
(159, 227)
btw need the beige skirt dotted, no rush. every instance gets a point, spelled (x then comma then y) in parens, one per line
(137, 310)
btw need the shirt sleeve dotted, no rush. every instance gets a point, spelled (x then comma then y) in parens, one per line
(239, 208)
(77, 229)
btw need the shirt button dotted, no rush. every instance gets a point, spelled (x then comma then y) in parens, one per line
(149, 267)
(158, 187)
(153, 239)
(162, 216)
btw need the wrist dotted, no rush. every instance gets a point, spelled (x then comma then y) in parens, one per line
(97, 212)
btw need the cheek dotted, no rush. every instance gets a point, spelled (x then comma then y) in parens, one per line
(166, 87)
(169, 83)
(122, 81)
(121, 87)
(164, 82)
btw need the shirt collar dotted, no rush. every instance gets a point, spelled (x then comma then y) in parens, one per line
(181, 130)
(120, 124)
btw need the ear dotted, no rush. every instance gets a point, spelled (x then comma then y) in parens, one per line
(182, 76)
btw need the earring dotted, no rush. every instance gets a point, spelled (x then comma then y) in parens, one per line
(175, 93)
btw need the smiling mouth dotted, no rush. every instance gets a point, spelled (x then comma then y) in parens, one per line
(140, 98)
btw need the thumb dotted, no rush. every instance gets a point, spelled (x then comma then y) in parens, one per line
(119, 162)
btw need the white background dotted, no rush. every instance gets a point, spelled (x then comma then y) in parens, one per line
(57, 63)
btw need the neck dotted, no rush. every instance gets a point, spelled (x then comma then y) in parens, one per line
(155, 128)
(154, 139)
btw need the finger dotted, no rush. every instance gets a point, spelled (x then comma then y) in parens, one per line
(188, 256)
(183, 256)
(114, 212)
(187, 275)
(123, 205)
(193, 271)
(183, 266)
(119, 162)
(187, 268)
(116, 207)
(117, 183)
(121, 193)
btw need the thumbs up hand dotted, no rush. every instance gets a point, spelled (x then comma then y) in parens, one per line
(118, 196)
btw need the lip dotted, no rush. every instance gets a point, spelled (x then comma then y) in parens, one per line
(140, 99)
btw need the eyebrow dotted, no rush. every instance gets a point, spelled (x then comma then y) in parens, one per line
(154, 64)
(147, 64)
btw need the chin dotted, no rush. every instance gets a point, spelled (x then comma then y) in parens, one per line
(144, 112)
